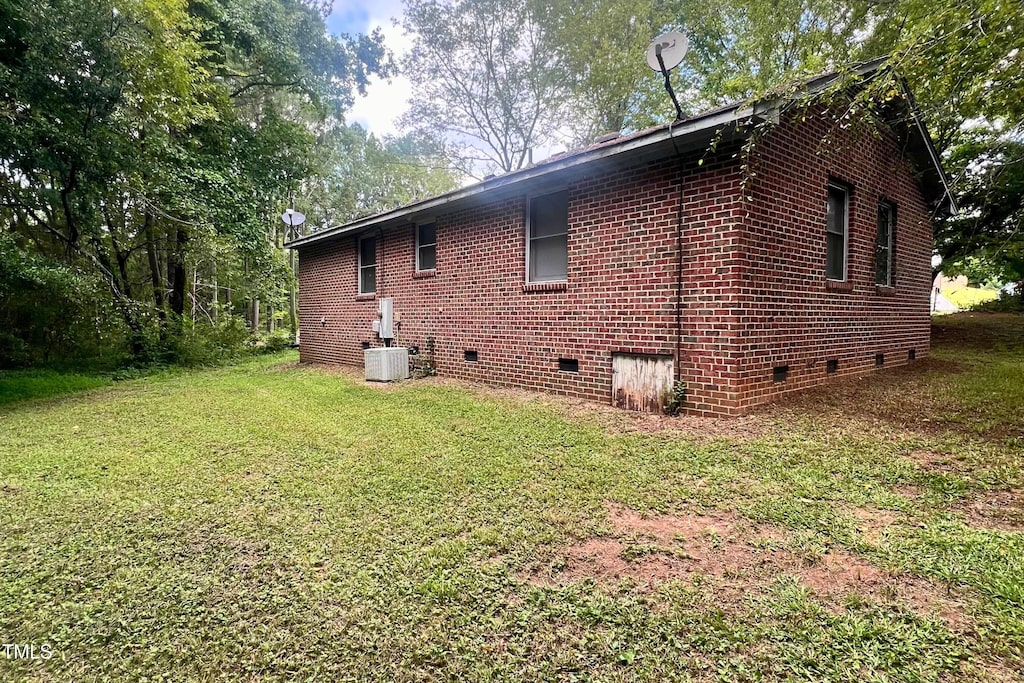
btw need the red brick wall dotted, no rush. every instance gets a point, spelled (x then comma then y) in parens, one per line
(754, 293)
(788, 313)
(620, 294)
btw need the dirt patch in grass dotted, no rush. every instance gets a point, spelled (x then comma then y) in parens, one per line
(996, 510)
(737, 559)
(931, 461)
(873, 523)
(897, 399)
(910, 491)
(614, 420)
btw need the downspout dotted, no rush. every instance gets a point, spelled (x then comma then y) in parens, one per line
(679, 261)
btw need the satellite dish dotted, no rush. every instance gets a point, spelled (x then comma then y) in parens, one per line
(672, 47)
(293, 218)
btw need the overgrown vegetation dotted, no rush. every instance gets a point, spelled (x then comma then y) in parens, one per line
(273, 521)
(147, 151)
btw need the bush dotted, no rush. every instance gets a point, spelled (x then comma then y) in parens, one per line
(272, 342)
(193, 343)
(51, 313)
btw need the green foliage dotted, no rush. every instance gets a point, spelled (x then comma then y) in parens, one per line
(147, 145)
(202, 343)
(601, 46)
(274, 342)
(673, 398)
(1006, 303)
(50, 312)
(358, 174)
(987, 233)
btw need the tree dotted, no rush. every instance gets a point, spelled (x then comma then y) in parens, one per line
(963, 61)
(601, 47)
(484, 79)
(359, 175)
(135, 134)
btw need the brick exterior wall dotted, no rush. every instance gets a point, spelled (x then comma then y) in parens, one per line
(789, 314)
(754, 294)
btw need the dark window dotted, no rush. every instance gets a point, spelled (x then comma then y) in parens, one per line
(547, 253)
(426, 246)
(368, 265)
(832, 366)
(780, 373)
(568, 365)
(884, 244)
(838, 223)
(879, 359)
(912, 354)
(471, 356)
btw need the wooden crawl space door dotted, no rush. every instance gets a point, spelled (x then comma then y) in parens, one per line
(640, 381)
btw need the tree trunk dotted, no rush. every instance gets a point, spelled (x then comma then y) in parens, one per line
(176, 266)
(255, 315)
(154, 267)
(215, 296)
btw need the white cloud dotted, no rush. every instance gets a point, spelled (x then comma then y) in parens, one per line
(385, 101)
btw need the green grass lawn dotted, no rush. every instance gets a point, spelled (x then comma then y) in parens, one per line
(275, 522)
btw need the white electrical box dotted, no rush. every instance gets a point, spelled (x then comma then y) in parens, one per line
(387, 319)
(386, 364)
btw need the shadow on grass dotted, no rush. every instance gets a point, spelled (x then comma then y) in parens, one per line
(17, 386)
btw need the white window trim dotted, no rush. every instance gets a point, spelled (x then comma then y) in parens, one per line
(529, 239)
(889, 280)
(416, 237)
(361, 265)
(846, 232)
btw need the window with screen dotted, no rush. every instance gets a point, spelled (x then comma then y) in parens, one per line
(426, 246)
(884, 244)
(547, 244)
(368, 265)
(837, 232)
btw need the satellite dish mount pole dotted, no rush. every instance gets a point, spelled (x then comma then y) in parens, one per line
(668, 83)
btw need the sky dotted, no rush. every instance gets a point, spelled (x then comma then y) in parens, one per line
(385, 102)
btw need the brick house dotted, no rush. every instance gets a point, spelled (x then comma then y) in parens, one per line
(676, 254)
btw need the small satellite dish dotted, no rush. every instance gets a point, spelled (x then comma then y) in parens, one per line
(672, 47)
(293, 218)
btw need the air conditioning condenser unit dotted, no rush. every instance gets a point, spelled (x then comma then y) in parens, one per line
(386, 364)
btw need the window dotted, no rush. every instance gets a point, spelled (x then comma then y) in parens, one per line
(838, 221)
(426, 246)
(368, 265)
(884, 244)
(547, 250)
